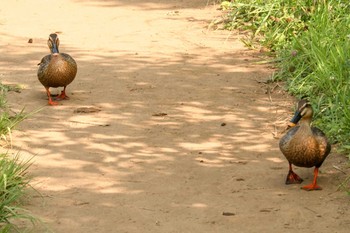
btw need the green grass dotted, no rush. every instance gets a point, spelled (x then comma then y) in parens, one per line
(272, 23)
(13, 183)
(8, 120)
(310, 40)
(320, 70)
(13, 172)
(310, 45)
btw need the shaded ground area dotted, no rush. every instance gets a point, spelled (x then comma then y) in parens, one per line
(183, 129)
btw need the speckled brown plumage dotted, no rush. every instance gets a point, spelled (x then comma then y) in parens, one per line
(56, 69)
(304, 146)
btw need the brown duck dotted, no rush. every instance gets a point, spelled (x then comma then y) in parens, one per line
(304, 146)
(56, 69)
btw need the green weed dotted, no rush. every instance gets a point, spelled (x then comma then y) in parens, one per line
(13, 183)
(310, 40)
(317, 65)
(272, 24)
(9, 119)
(13, 178)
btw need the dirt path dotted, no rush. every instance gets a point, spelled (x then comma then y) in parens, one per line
(184, 132)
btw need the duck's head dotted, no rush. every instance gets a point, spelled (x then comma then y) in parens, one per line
(53, 43)
(303, 111)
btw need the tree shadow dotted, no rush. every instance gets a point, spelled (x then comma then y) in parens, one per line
(180, 138)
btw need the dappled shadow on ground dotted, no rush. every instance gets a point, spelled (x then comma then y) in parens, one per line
(184, 132)
(173, 129)
(180, 138)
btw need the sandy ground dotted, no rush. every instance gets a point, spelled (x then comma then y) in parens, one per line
(182, 139)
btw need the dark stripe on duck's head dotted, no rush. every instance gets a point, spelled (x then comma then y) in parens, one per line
(53, 43)
(303, 109)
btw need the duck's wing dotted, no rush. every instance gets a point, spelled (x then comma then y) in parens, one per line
(288, 136)
(325, 146)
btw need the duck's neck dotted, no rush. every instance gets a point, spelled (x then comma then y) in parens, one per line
(305, 126)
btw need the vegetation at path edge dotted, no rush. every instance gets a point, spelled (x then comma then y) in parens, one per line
(13, 177)
(310, 43)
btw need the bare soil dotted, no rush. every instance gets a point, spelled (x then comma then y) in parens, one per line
(171, 126)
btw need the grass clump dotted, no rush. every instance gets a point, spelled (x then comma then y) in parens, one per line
(310, 40)
(320, 69)
(7, 120)
(13, 183)
(13, 172)
(272, 23)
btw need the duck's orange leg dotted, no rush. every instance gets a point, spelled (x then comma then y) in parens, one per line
(63, 95)
(313, 185)
(292, 177)
(49, 96)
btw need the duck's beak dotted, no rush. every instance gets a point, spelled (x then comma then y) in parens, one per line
(296, 118)
(54, 49)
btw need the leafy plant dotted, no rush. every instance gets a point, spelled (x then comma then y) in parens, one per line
(13, 182)
(13, 177)
(317, 64)
(272, 23)
(311, 42)
(9, 121)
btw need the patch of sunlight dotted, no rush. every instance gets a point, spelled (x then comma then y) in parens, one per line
(263, 109)
(142, 83)
(205, 162)
(194, 110)
(245, 123)
(199, 205)
(133, 145)
(107, 105)
(124, 156)
(110, 159)
(275, 160)
(153, 156)
(134, 164)
(121, 137)
(257, 148)
(195, 103)
(137, 105)
(200, 146)
(112, 190)
(168, 150)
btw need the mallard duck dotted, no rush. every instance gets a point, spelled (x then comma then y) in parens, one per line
(304, 146)
(56, 69)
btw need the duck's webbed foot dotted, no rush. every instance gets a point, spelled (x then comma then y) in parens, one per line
(311, 187)
(50, 102)
(293, 178)
(314, 185)
(63, 95)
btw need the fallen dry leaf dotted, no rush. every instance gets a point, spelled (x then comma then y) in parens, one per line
(87, 110)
